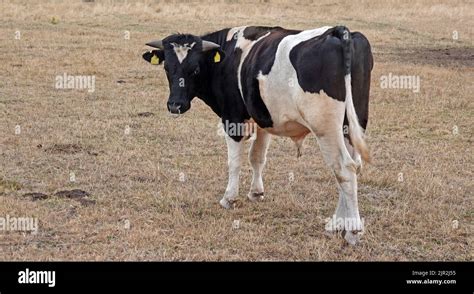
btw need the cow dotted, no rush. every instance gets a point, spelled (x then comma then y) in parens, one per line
(286, 82)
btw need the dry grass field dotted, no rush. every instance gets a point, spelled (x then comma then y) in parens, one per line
(155, 181)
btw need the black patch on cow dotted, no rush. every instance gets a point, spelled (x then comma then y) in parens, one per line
(319, 65)
(361, 67)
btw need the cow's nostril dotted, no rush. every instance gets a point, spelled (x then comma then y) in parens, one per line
(174, 108)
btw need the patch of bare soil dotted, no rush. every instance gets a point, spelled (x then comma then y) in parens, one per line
(444, 57)
(69, 149)
(76, 194)
(145, 114)
(34, 196)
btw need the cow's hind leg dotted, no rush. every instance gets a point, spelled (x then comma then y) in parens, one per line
(324, 116)
(234, 156)
(257, 158)
(347, 216)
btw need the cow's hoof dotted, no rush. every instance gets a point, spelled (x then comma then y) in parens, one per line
(256, 196)
(227, 204)
(352, 238)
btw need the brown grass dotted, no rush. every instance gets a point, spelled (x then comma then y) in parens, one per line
(144, 212)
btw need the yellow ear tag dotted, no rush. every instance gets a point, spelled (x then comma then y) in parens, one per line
(217, 58)
(155, 60)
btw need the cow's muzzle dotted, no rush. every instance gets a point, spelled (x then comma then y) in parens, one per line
(177, 108)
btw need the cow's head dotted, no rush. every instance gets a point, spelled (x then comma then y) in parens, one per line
(187, 60)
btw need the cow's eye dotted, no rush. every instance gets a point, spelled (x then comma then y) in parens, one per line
(196, 71)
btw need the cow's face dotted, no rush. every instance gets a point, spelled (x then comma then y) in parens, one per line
(187, 60)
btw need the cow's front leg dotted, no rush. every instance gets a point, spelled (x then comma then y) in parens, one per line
(257, 158)
(234, 156)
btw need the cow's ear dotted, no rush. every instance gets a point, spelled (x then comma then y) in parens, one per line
(216, 55)
(154, 57)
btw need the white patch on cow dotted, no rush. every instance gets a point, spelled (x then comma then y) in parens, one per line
(181, 51)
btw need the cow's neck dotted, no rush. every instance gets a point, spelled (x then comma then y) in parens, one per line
(211, 90)
(219, 37)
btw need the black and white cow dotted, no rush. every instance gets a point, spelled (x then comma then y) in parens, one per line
(287, 82)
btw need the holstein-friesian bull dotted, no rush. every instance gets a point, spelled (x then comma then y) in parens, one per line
(290, 83)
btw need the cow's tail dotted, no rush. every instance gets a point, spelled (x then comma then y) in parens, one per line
(355, 131)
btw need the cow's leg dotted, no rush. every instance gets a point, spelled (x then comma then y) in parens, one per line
(234, 156)
(338, 158)
(324, 116)
(341, 212)
(354, 154)
(257, 158)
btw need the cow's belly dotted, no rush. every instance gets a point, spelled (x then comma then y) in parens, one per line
(288, 129)
(286, 118)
